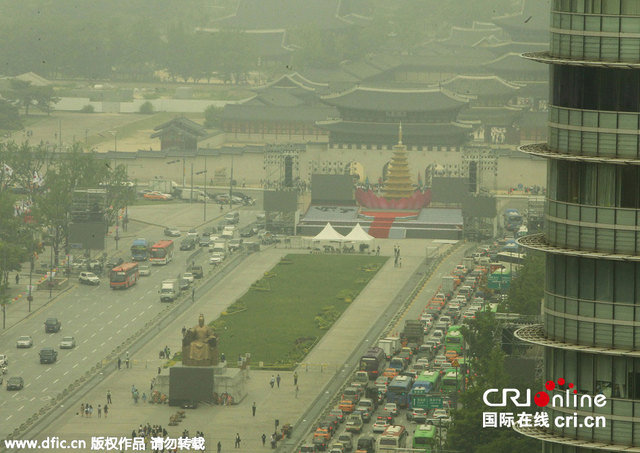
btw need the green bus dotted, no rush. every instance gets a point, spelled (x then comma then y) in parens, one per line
(432, 377)
(454, 341)
(424, 438)
(452, 380)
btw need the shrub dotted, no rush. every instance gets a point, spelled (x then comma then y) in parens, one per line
(87, 109)
(146, 108)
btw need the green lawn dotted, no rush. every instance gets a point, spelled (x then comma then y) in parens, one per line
(281, 316)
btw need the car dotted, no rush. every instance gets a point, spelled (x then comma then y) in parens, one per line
(249, 232)
(235, 244)
(417, 415)
(89, 278)
(440, 416)
(184, 284)
(196, 271)
(172, 232)
(382, 380)
(216, 258)
(391, 408)
(188, 276)
(157, 196)
(48, 355)
(68, 343)
(188, 244)
(381, 424)
(205, 240)
(24, 341)
(337, 414)
(144, 270)
(15, 383)
(52, 325)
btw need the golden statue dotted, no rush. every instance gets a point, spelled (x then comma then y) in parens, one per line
(199, 345)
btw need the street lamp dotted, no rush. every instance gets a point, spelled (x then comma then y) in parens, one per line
(115, 140)
(183, 169)
(204, 172)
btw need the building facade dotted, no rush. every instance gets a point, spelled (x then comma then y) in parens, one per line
(592, 227)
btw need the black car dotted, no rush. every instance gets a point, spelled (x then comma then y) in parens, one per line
(15, 383)
(48, 355)
(188, 244)
(196, 271)
(52, 325)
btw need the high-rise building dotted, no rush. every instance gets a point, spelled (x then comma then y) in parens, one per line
(591, 236)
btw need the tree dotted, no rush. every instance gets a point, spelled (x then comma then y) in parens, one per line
(212, 117)
(9, 117)
(527, 289)
(146, 108)
(22, 92)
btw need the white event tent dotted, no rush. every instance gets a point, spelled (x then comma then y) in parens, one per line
(358, 235)
(328, 234)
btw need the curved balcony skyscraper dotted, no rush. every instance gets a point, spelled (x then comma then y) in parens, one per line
(591, 330)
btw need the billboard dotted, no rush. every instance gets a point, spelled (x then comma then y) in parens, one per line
(87, 235)
(190, 384)
(449, 190)
(478, 206)
(280, 200)
(332, 189)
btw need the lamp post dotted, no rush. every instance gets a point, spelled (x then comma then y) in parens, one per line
(183, 168)
(231, 185)
(51, 273)
(31, 265)
(115, 140)
(204, 172)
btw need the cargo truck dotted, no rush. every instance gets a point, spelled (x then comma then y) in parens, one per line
(169, 290)
(163, 185)
(192, 195)
(413, 331)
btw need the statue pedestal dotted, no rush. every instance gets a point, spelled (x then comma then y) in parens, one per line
(188, 384)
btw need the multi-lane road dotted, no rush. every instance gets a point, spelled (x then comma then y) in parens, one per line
(98, 317)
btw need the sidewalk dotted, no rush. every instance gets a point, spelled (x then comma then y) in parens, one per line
(221, 423)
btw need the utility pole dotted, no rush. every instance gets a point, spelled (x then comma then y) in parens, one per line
(231, 185)
(205, 188)
(191, 196)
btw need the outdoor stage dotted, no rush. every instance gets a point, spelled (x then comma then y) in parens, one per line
(425, 223)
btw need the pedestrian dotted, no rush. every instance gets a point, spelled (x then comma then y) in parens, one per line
(106, 410)
(264, 439)
(278, 380)
(108, 397)
(399, 262)
(237, 440)
(272, 381)
(297, 388)
(99, 411)
(395, 261)
(193, 294)
(184, 331)
(378, 251)
(144, 397)
(273, 441)
(82, 410)
(119, 362)
(17, 279)
(90, 410)
(295, 378)
(86, 410)
(253, 408)
(219, 446)
(133, 389)
(127, 362)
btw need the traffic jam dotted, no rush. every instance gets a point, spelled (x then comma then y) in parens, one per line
(402, 395)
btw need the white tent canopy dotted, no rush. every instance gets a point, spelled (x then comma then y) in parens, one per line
(328, 234)
(358, 235)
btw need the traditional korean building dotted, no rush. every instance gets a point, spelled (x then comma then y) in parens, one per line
(369, 118)
(179, 133)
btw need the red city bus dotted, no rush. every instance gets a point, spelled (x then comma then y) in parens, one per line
(124, 276)
(161, 252)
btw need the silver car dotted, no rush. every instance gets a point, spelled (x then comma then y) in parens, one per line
(24, 341)
(68, 343)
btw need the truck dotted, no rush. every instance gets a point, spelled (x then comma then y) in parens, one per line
(163, 185)
(192, 194)
(448, 285)
(512, 219)
(413, 331)
(390, 345)
(169, 290)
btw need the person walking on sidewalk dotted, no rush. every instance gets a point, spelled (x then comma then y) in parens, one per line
(106, 410)
(99, 411)
(253, 408)
(272, 381)
(264, 439)
(108, 397)
(295, 378)
(237, 440)
(297, 388)
(278, 380)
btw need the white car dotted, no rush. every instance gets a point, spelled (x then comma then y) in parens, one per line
(188, 276)
(24, 341)
(391, 408)
(89, 278)
(381, 424)
(144, 270)
(216, 258)
(68, 343)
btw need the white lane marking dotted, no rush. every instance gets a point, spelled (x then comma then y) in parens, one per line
(66, 372)
(9, 417)
(39, 376)
(94, 350)
(45, 389)
(55, 381)
(75, 365)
